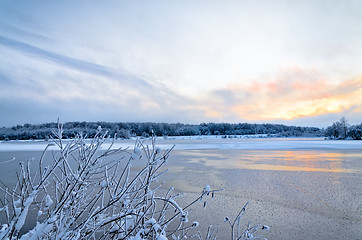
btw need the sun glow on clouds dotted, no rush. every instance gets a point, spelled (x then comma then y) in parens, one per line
(297, 93)
(187, 61)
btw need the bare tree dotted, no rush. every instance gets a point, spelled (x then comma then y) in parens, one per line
(89, 193)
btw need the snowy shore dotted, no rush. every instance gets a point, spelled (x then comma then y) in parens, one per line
(194, 143)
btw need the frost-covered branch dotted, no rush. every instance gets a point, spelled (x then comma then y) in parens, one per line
(86, 192)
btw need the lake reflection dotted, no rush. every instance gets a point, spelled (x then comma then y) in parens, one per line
(316, 191)
(278, 160)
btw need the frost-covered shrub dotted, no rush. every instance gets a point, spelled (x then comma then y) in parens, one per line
(89, 193)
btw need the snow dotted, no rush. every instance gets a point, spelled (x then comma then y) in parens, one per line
(137, 152)
(40, 212)
(41, 230)
(194, 143)
(24, 146)
(174, 203)
(48, 201)
(151, 221)
(161, 237)
(265, 144)
(99, 129)
(190, 144)
(104, 184)
(19, 224)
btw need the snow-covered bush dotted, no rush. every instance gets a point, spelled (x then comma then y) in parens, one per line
(86, 192)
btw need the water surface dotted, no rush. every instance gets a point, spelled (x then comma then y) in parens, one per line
(302, 188)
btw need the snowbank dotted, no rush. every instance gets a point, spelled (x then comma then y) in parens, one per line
(208, 142)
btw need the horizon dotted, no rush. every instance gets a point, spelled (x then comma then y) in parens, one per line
(280, 62)
(183, 123)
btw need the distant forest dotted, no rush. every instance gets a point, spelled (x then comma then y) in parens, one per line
(146, 129)
(339, 130)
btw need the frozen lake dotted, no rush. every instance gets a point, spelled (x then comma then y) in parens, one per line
(301, 188)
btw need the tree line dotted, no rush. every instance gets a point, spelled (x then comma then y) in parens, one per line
(146, 129)
(342, 130)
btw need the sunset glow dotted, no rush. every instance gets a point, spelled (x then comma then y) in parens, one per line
(190, 61)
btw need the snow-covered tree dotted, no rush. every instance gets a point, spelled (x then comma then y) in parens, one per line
(89, 193)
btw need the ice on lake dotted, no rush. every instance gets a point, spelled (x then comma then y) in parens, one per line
(301, 188)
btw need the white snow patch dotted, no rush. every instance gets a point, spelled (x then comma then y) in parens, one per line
(48, 201)
(161, 237)
(208, 142)
(20, 223)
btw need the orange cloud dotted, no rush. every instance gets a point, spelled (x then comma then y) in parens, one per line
(296, 93)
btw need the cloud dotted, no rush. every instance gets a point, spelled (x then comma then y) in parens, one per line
(40, 86)
(73, 63)
(44, 75)
(31, 110)
(295, 93)
(186, 61)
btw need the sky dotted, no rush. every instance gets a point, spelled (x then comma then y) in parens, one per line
(260, 61)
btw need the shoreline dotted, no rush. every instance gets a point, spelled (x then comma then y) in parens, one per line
(188, 143)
